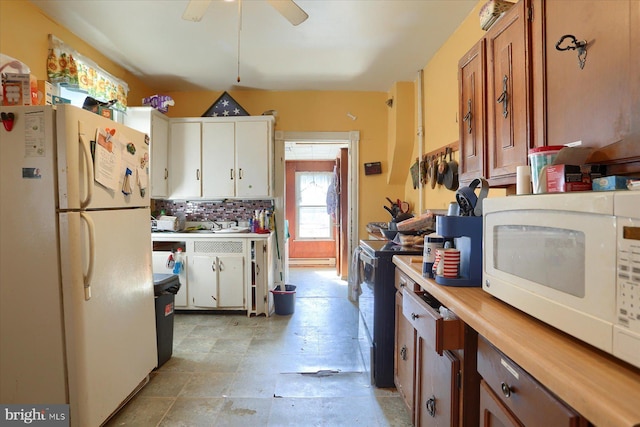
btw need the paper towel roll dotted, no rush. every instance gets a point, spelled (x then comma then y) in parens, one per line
(523, 180)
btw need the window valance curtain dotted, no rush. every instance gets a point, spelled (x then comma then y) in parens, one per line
(69, 68)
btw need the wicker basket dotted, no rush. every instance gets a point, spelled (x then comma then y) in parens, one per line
(491, 11)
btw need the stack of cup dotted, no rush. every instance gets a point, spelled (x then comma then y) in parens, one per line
(450, 263)
(431, 243)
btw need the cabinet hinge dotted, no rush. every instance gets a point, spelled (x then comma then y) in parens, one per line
(459, 379)
(264, 249)
(530, 13)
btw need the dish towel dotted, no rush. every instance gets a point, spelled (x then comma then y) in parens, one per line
(353, 281)
(332, 195)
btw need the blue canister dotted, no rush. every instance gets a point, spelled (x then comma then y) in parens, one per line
(431, 242)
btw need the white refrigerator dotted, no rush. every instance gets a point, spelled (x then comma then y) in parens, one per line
(77, 316)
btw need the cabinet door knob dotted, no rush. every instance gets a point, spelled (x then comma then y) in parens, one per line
(403, 352)
(431, 406)
(414, 316)
(506, 390)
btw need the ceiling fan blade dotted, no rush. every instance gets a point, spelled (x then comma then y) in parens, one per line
(290, 10)
(195, 10)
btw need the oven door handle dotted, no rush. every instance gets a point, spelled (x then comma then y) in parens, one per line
(366, 259)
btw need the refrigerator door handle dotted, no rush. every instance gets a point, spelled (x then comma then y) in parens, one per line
(86, 151)
(92, 252)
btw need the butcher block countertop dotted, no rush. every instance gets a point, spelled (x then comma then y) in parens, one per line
(603, 389)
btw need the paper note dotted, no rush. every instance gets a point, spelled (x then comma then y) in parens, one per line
(107, 160)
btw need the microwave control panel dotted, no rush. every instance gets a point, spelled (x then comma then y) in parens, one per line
(628, 274)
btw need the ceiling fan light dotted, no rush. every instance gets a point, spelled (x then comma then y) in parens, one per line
(195, 10)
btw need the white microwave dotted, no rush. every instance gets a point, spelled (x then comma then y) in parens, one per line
(571, 260)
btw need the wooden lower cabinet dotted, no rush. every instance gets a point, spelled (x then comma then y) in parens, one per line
(404, 357)
(493, 413)
(509, 396)
(428, 362)
(437, 387)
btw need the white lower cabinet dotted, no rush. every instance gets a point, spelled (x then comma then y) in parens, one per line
(216, 274)
(261, 278)
(221, 273)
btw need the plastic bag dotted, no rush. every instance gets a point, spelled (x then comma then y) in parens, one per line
(12, 65)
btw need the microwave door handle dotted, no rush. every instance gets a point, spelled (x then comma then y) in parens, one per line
(86, 152)
(92, 255)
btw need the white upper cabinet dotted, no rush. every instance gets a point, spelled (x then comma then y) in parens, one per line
(156, 126)
(218, 159)
(253, 159)
(185, 160)
(213, 158)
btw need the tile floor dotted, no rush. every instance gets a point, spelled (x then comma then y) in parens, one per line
(304, 369)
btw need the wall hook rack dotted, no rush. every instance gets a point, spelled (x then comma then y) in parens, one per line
(574, 44)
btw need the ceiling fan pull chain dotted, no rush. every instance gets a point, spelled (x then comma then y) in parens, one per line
(239, 30)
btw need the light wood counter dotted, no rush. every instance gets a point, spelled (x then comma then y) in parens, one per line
(602, 388)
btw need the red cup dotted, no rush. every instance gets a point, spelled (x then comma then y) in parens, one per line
(451, 261)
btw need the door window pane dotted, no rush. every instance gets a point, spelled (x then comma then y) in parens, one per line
(311, 194)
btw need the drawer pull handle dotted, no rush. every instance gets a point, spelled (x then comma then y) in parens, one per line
(403, 352)
(504, 97)
(431, 406)
(414, 316)
(467, 117)
(506, 390)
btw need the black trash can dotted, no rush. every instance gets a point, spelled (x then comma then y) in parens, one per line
(165, 288)
(284, 301)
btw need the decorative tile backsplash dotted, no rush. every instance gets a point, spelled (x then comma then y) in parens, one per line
(228, 210)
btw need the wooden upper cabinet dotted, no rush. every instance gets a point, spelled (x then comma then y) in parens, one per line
(598, 103)
(508, 95)
(471, 82)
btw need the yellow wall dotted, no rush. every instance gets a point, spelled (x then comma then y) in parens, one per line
(401, 135)
(440, 106)
(315, 111)
(23, 35)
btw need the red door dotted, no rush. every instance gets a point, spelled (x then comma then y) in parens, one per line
(301, 177)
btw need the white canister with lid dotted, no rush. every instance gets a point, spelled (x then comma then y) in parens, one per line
(432, 242)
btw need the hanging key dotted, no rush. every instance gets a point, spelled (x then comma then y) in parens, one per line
(574, 44)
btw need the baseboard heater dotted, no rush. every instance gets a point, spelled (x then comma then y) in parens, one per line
(312, 261)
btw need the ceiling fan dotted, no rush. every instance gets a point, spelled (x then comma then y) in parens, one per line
(288, 8)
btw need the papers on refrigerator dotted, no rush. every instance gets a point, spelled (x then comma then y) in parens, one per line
(108, 158)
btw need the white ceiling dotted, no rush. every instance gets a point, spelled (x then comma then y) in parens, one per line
(363, 45)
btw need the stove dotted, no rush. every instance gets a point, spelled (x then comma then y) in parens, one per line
(377, 306)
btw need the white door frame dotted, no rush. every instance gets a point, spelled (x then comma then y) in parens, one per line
(352, 138)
